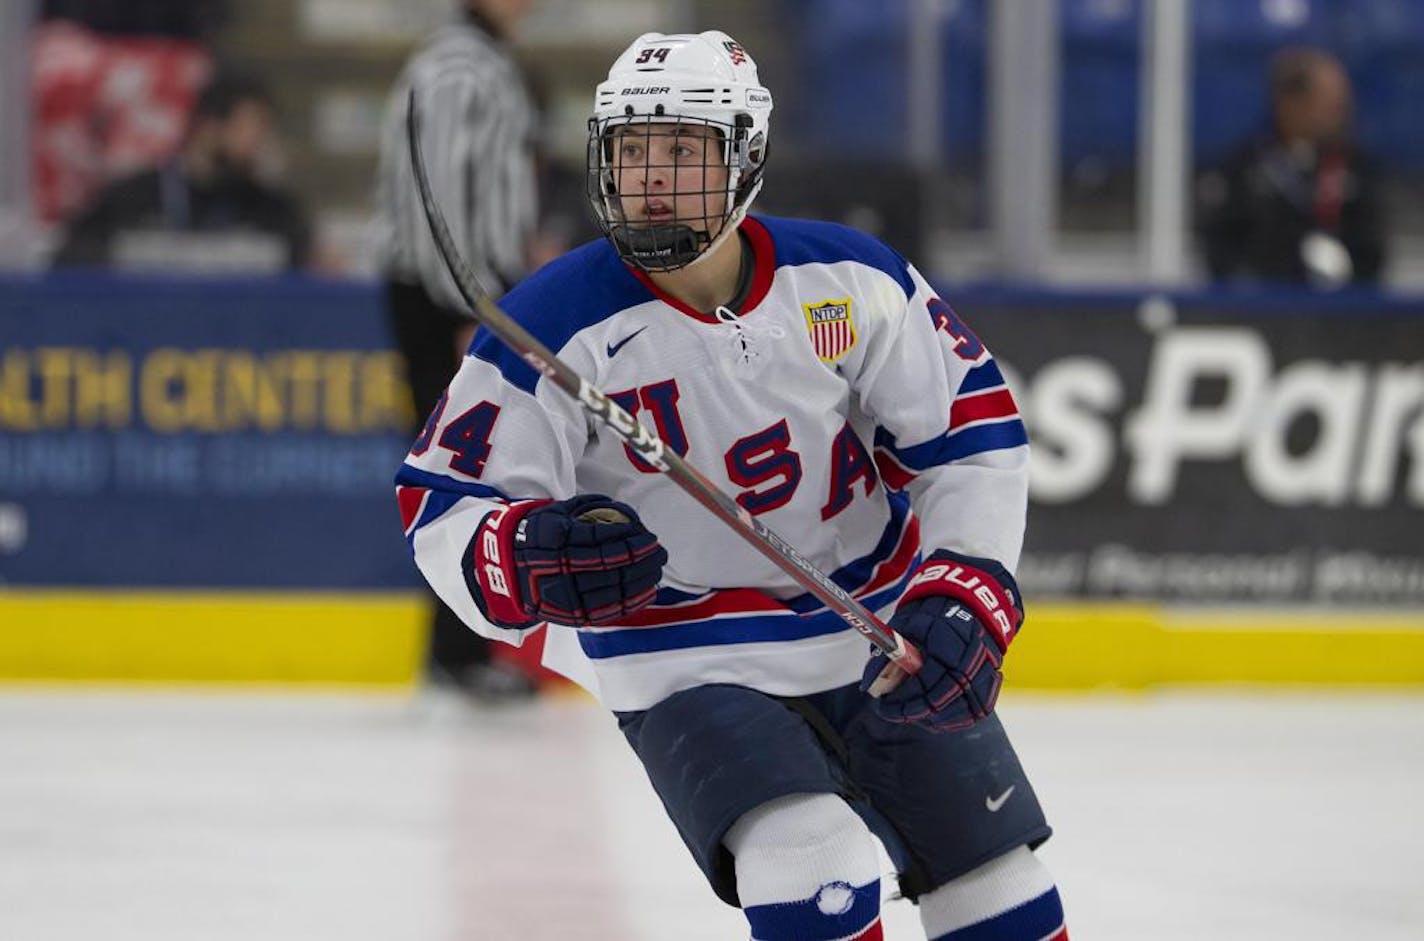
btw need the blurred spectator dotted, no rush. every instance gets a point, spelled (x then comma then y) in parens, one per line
(1301, 203)
(112, 84)
(208, 207)
(479, 123)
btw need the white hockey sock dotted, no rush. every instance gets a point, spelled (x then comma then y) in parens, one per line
(1011, 898)
(806, 868)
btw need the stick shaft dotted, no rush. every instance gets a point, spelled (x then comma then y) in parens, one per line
(904, 656)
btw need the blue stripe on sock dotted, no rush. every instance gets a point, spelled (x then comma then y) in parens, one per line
(1034, 919)
(804, 921)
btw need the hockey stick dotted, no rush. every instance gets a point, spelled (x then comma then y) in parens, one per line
(904, 657)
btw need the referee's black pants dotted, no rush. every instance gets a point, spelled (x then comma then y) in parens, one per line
(425, 336)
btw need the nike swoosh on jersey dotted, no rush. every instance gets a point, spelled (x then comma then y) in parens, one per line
(613, 348)
(992, 804)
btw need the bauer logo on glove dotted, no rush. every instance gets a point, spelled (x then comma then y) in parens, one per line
(961, 612)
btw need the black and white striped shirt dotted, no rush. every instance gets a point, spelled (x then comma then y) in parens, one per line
(477, 139)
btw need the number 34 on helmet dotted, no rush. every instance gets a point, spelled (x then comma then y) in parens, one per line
(676, 146)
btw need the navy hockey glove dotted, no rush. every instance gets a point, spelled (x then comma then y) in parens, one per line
(961, 612)
(584, 561)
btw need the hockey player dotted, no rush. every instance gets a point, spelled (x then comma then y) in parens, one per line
(813, 373)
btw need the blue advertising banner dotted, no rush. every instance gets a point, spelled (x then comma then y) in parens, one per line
(186, 434)
(244, 434)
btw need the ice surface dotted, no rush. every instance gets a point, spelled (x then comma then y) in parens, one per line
(162, 815)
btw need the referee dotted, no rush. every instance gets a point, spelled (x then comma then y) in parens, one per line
(478, 143)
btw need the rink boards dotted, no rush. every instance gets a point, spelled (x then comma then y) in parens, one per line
(377, 640)
(195, 485)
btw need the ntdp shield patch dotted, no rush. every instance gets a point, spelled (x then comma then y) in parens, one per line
(831, 327)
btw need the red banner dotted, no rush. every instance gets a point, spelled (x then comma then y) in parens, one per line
(104, 107)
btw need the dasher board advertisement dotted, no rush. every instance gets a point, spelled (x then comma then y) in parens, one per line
(1218, 448)
(185, 433)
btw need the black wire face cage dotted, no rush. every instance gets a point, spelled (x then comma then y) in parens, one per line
(664, 188)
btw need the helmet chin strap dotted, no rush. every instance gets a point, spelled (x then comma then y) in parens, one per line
(734, 220)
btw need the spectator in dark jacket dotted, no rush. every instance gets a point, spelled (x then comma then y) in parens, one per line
(208, 208)
(1301, 203)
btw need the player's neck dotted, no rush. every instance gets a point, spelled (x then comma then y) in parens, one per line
(708, 284)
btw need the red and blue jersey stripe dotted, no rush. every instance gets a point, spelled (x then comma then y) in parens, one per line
(745, 616)
(983, 417)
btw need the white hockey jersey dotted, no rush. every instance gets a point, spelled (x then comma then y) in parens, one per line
(843, 395)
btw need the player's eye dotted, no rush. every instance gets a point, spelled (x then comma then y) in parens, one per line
(630, 151)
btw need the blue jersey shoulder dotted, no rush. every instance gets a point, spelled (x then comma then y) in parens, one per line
(806, 241)
(576, 290)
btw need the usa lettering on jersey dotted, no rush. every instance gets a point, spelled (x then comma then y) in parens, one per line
(817, 439)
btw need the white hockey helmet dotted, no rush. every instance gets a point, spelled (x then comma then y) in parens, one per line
(703, 79)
